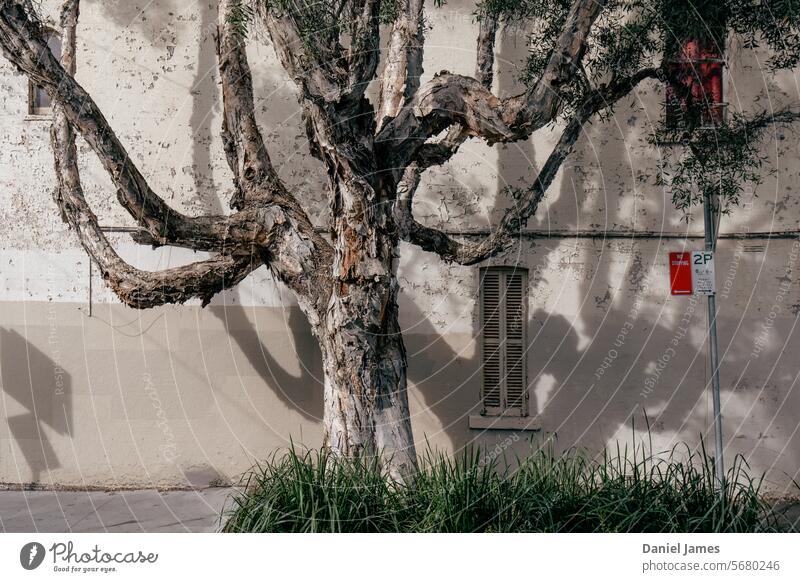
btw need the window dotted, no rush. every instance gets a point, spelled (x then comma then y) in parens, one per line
(694, 90)
(504, 319)
(38, 100)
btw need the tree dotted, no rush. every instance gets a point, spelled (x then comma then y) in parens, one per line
(585, 55)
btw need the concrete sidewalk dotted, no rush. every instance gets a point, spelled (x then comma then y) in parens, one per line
(118, 511)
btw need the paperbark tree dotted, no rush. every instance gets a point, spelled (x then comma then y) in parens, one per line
(585, 56)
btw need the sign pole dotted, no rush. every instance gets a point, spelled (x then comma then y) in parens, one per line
(713, 352)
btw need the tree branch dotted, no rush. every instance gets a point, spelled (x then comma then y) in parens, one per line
(22, 43)
(319, 77)
(440, 152)
(468, 253)
(254, 175)
(401, 74)
(364, 52)
(137, 288)
(298, 254)
(276, 230)
(454, 99)
(434, 154)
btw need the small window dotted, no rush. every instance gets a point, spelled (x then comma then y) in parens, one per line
(694, 96)
(504, 317)
(38, 100)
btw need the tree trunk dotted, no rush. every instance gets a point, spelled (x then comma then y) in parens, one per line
(366, 398)
(364, 360)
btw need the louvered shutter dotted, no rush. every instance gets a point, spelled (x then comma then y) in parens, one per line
(515, 380)
(492, 331)
(504, 320)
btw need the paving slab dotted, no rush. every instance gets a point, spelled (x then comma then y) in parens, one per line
(112, 511)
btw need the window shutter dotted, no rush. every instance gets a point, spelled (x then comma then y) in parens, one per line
(516, 385)
(492, 336)
(504, 321)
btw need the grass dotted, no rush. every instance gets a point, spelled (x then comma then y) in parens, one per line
(312, 491)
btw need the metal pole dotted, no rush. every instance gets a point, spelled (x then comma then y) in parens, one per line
(713, 351)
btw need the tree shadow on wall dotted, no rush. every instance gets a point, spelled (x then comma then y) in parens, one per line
(301, 392)
(448, 379)
(39, 384)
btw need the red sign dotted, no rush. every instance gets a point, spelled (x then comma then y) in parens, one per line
(680, 273)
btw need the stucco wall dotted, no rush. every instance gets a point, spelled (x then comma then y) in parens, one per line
(182, 395)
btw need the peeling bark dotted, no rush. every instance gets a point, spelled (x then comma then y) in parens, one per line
(254, 176)
(455, 99)
(363, 53)
(300, 257)
(366, 400)
(403, 70)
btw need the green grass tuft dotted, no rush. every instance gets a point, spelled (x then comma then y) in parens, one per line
(312, 491)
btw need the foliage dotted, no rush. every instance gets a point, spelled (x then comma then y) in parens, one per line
(635, 28)
(771, 23)
(720, 161)
(633, 34)
(320, 23)
(240, 16)
(312, 491)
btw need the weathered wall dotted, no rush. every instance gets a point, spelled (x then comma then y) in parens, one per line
(182, 395)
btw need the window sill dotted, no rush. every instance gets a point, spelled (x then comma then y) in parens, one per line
(480, 422)
(38, 117)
